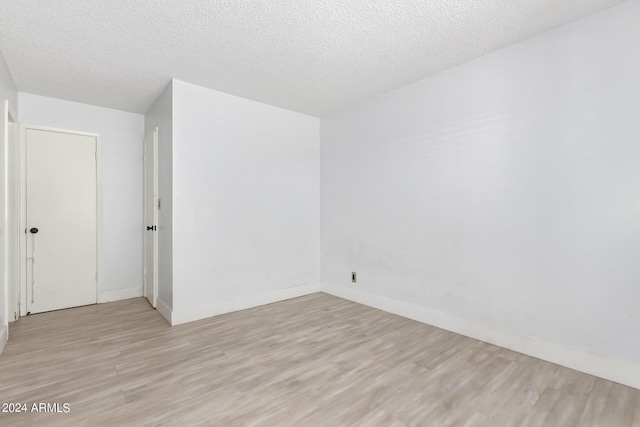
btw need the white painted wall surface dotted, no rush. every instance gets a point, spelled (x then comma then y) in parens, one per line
(245, 197)
(161, 115)
(505, 191)
(122, 168)
(7, 92)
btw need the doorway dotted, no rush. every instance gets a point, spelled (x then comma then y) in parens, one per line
(62, 210)
(12, 215)
(151, 207)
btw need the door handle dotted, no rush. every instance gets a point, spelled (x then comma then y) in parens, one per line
(34, 230)
(151, 227)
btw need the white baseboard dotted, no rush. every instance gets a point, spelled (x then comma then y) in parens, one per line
(120, 294)
(196, 313)
(164, 310)
(606, 367)
(4, 336)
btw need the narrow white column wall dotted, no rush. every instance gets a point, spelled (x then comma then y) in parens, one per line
(245, 202)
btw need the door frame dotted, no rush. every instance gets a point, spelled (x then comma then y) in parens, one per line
(154, 132)
(8, 242)
(23, 208)
(12, 236)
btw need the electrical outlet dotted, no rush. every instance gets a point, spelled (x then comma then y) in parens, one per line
(353, 276)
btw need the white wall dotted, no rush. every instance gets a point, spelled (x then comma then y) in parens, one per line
(7, 92)
(245, 197)
(160, 115)
(122, 168)
(505, 191)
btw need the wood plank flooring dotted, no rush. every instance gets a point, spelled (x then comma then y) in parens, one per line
(311, 361)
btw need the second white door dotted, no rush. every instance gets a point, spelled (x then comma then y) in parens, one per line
(151, 217)
(61, 220)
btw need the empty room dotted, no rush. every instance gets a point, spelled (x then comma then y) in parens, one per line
(320, 213)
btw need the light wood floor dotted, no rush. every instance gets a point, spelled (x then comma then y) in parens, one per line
(315, 360)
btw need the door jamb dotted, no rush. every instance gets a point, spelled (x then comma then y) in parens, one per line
(23, 208)
(12, 244)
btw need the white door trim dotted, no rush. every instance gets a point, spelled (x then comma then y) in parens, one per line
(12, 237)
(23, 208)
(4, 326)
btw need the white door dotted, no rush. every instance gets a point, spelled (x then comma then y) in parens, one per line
(61, 219)
(151, 217)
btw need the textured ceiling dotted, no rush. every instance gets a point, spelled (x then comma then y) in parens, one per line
(312, 56)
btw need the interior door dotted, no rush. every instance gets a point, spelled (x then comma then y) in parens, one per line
(61, 218)
(151, 217)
